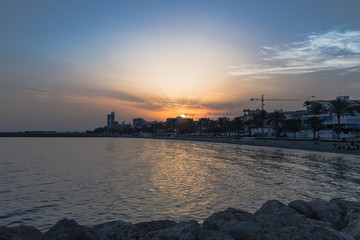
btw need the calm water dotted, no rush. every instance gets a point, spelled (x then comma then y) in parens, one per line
(95, 180)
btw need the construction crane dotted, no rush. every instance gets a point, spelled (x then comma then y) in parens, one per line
(262, 99)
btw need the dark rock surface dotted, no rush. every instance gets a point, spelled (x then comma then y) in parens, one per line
(188, 230)
(217, 220)
(329, 212)
(214, 235)
(70, 230)
(155, 225)
(242, 230)
(20, 233)
(119, 230)
(336, 219)
(302, 207)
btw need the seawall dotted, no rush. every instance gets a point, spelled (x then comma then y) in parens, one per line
(317, 219)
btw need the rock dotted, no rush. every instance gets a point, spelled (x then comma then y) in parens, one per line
(329, 234)
(274, 207)
(155, 225)
(218, 219)
(214, 235)
(329, 212)
(70, 230)
(315, 220)
(119, 230)
(20, 233)
(352, 214)
(353, 228)
(318, 223)
(274, 214)
(242, 230)
(63, 229)
(306, 232)
(344, 204)
(353, 219)
(302, 207)
(188, 230)
(85, 233)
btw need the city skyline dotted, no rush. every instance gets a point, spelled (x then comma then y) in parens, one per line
(66, 65)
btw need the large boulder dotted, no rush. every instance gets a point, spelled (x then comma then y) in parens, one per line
(274, 207)
(188, 230)
(306, 232)
(352, 214)
(274, 214)
(63, 229)
(155, 225)
(20, 233)
(119, 230)
(353, 228)
(329, 212)
(302, 207)
(352, 219)
(214, 235)
(242, 230)
(217, 220)
(344, 204)
(70, 230)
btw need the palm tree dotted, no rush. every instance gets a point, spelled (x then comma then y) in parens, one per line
(293, 125)
(317, 108)
(238, 124)
(223, 123)
(316, 124)
(262, 118)
(307, 104)
(249, 123)
(277, 119)
(258, 120)
(340, 108)
(204, 124)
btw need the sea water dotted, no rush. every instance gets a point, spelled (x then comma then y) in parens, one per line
(96, 180)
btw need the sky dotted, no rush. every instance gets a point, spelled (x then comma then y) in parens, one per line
(64, 65)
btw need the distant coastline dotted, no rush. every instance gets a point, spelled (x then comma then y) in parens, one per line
(298, 144)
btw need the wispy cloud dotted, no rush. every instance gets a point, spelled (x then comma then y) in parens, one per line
(163, 103)
(154, 103)
(332, 50)
(85, 94)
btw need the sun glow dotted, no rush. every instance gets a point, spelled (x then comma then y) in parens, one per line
(175, 66)
(183, 71)
(183, 115)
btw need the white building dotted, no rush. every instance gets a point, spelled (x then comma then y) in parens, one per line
(349, 125)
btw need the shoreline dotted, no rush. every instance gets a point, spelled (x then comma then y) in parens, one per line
(297, 144)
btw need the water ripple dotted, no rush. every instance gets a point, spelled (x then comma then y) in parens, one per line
(99, 180)
(28, 211)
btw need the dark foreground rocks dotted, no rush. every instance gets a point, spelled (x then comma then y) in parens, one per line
(336, 219)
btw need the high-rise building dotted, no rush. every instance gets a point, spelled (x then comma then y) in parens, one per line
(110, 120)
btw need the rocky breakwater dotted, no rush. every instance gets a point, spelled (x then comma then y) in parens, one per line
(336, 219)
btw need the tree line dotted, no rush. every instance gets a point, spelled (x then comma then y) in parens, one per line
(241, 125)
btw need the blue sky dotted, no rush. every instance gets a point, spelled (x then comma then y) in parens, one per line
(66, 64)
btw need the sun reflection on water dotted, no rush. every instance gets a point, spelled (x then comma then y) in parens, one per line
(139, 180)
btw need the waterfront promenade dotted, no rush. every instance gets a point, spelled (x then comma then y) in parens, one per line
(299, 144)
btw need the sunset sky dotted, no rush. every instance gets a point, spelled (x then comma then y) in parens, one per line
(64, 65)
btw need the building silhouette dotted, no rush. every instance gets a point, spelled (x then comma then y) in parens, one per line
(110, 120)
